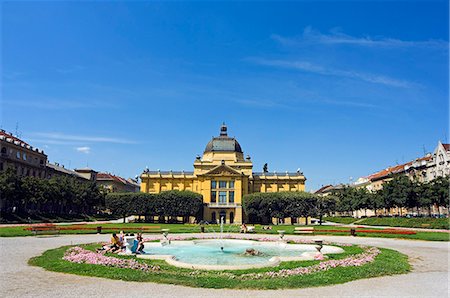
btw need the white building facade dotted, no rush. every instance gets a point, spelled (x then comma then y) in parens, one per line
(439, 165)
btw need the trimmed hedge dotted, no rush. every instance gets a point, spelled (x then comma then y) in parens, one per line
(172, 203)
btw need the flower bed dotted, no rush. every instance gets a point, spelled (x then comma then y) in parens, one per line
(79, 255)
(368, 256)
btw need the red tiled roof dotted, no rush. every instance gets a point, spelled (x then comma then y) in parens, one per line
(396, 169)
(107, 176)
(320, 190)
(16, 139)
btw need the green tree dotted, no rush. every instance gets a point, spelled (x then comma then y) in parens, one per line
(440, 188)
(326, 205)
(120, 204)
(10, 191)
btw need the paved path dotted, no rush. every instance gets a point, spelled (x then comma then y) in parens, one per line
(430, 277)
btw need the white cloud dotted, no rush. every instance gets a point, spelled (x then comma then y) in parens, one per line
(336, 37)
(317, 69)
(85, 150)
(92, 139)
(57, 104)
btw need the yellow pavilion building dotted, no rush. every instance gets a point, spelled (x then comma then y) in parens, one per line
(222, 176)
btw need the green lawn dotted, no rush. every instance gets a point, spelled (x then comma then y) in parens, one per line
(422, 222)
(389, 262)
(339, 219)
(180, 228)
(48, 218)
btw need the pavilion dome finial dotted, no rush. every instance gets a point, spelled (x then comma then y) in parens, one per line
(223, 130)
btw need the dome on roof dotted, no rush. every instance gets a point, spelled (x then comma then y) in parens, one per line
(223, 142)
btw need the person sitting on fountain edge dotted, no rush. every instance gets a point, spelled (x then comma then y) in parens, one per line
(140, 246)
(116, 245)
(243, 228)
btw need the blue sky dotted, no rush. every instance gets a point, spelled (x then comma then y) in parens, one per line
(337, 89)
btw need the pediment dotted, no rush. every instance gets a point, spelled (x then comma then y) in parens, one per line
(223, 170)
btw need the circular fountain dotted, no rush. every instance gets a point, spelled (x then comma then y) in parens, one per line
(231, 254)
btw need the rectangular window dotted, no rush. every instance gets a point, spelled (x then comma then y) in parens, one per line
(213, 196)
(222, 197)
(231, 184)
(213, 184)
(231, 197)
(222, 184)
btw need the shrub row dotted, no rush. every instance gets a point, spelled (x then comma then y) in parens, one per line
(172, 203)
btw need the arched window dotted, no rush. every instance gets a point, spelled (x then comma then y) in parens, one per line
(213, 217)
(3, 150)
(223, 214)
(231, 217)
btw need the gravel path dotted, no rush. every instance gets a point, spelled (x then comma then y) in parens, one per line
(430, 277)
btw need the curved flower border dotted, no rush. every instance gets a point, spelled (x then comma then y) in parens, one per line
(83, 256)
(368, 256)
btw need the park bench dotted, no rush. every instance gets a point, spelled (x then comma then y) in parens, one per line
(303, 230)
(44, 229)
(151, 229)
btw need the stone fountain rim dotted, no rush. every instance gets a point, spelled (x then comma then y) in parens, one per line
(274, 261)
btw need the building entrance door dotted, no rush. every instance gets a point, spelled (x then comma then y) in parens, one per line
(223, 215)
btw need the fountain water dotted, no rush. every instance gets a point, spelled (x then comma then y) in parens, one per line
(217, 235)
(166, 239)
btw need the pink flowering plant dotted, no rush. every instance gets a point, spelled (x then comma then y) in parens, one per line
(368, 256)
(83, 256)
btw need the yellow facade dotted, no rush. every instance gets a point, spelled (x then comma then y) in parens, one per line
(222, 176)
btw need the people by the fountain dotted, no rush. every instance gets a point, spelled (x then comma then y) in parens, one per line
(105, 247)
(113, 246)
(140, 246)
(243, 228)
(122, 240)
(116, 244)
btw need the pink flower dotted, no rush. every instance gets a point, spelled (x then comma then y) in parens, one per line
(318, 256)
(82, 256)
